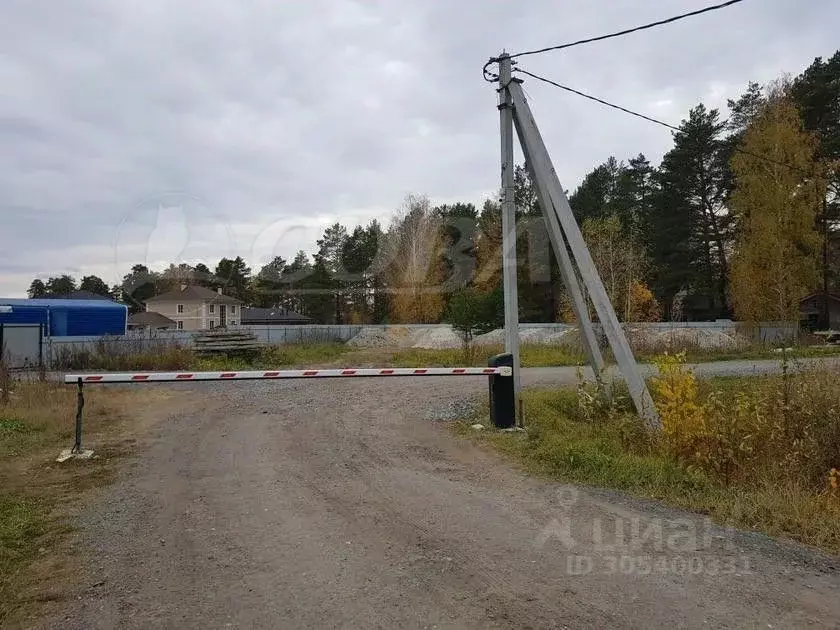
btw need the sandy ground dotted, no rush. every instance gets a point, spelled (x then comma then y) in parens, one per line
(326, 504)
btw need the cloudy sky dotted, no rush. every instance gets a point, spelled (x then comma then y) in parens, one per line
(158, 130)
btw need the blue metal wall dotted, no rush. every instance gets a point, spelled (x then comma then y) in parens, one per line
(67, 318)
(14, 314)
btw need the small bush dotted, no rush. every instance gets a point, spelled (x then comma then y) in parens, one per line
(784, 427)
(683, 415)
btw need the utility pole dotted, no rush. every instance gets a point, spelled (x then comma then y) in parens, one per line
(509, 220)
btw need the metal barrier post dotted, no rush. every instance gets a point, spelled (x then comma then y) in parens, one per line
(80, 404)
(502, 393)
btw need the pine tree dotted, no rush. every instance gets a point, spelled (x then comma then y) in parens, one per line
(360, 280)
(37, 289)
(329, 274)
(292, 280)
(595, 195)
(137, 287)
(817, 94)
(61, 285)
(692, 223)
(234, 277)
(95, 285)
(267, 286)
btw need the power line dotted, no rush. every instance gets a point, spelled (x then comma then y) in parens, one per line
(490, 77)
(653, 120)
(596, 99)
(627, 31)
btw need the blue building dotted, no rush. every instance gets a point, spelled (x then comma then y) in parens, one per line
(67, 318)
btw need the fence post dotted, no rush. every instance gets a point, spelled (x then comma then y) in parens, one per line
(80, 404)
(502, 393)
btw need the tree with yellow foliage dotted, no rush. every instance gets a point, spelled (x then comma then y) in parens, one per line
(622, 263)
(775, 204)
(414, 267)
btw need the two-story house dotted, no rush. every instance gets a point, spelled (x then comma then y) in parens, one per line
(197, 308)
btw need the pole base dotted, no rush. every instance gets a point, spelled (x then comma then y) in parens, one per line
(68, 453)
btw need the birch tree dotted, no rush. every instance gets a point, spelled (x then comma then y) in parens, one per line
(776, 204)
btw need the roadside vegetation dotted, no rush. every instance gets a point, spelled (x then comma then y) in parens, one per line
(288, 355)
(128, 355)
(113, 355)
(760, 453)
(36, 421)
(540, 355)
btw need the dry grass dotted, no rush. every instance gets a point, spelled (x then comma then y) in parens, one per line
(288, 355)
(36, 423)
(127, 355)
(121, 354)
(761, 459)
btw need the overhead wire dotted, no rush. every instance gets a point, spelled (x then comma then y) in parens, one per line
(628, 31)
(651, 119)
(490, 77)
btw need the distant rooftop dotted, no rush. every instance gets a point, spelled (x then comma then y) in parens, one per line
(195, 293)
(151, 319)
(272, 315)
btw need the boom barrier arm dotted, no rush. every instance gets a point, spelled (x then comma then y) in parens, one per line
(501, 392)
(162, 377)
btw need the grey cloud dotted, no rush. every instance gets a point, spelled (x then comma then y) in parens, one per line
(306, 112)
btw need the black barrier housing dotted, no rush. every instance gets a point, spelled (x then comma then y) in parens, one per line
(502, 394)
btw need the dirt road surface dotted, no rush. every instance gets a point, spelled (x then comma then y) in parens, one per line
(344, 504)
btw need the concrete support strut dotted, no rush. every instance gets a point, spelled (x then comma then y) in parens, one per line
(563, 229)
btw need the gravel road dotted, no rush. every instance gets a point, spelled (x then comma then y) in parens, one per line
(342, 503)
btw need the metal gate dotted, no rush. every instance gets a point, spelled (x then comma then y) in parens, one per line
(22, 345)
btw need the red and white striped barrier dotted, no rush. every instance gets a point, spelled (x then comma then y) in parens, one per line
(158, 377)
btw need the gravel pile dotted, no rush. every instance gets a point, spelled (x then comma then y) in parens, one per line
(493, 338)
(392, 337)
(640, 337)
(543, 336)
(683, 338)
(436, 338)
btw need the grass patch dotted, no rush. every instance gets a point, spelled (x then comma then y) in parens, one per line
(25, 524)
(35, 424)
(123, 354)
(697, 355)
(572, 438)
(543, 355)
(288, 355)
(120, 355)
